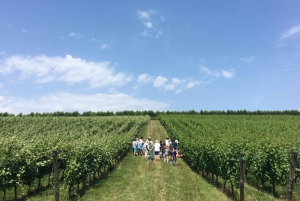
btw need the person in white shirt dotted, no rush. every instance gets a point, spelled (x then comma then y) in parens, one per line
(157, 150)
(146, 148)
(134, 146)
(167, 141)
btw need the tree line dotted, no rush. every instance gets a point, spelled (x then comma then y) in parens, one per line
(152, 114)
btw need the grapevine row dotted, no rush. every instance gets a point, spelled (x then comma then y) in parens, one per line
(86, 146)
(212, 144)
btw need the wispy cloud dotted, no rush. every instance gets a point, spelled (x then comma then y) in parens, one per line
(145, 14)
(1, 85)
(289, 33)
(150, 20)
(216, 73)
(191, 84)
(248, 59)
(209, 72)
(2, 53)
(78, 102)
(105, 46)
(24, 30)
(77, 35)
(175, 84)
(71, 70)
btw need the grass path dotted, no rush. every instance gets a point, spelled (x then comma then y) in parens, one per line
(137, 179)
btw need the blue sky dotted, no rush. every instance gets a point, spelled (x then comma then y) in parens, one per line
(149, 55)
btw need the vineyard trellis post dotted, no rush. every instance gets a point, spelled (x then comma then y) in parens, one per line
(242, 176)
(56, 174)
(292, 175)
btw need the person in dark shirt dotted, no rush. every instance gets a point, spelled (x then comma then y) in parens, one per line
(174, 144)
(163, 151)
(174, 152)
(171, 150)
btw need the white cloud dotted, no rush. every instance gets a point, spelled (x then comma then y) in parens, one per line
(192, 84)
(71, 70)
(24, 30)
(145, 78)
(292, 31)
(2, 53)
(145, 14)
(228, 74)
(77, 35)
(1, 85)
(225, 73)
(159, 81)
(148, 25)
(248, 59)
(78, 102)
(175, 84)
(105, 46)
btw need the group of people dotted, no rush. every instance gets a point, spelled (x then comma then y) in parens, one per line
(168, 150)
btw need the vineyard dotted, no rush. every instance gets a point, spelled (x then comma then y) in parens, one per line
(87, 147)
(212, 144)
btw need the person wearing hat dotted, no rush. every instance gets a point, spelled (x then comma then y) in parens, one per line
(167, 141)
(157, 150)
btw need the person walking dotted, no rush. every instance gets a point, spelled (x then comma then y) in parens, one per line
(150, 151)
(170, 150)
(157, 150)
(163, 151)
(139, 147)
(145, 148)
(174, 153)
(167, 141)
(134, 145)
(167, 153)
(177, 150)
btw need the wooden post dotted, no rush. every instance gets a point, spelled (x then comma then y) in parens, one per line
(56, 176)
(292, 175)
(242, 176)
